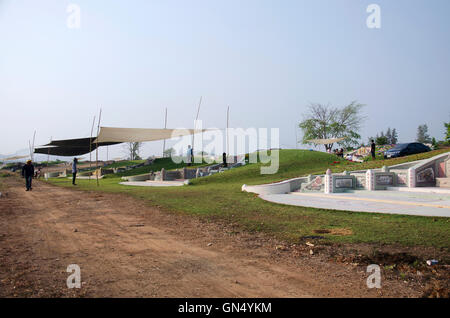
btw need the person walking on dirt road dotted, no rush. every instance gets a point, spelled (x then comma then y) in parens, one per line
(28, 173)
(74, 170)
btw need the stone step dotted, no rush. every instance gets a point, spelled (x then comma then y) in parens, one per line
(443, 182)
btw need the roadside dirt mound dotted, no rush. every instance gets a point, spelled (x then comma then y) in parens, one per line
(384, 258)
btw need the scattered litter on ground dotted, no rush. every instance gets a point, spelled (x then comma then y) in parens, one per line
(137, 225)
(388, 260)
(209, 244)
(432, 262)
(309, 244)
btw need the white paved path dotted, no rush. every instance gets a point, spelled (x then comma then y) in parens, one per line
(391, 202)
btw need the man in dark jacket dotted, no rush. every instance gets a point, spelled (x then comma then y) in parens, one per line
(28, 173)
(74, 170)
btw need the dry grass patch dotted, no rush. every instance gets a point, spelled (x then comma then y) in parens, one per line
(335, 231)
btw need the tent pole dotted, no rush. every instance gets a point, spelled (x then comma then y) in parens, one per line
(48, 153)
(32, 149)
(90, 147)
(96, 152)
(165, 126)
(196, 118)
(228, 142)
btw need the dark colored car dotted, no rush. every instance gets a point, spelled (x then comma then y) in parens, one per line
(401, 150)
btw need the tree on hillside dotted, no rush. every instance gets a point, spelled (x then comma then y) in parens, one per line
(132, 150)
(434, 142)
(422, 134)
(325, 122)
(391, 137)
(382, 140)
(447, 134)
(168, 153)
(394, 137)
(388, 136)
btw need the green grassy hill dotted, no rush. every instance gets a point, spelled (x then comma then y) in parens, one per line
(124, 163)
(296, 163)
(219, 197)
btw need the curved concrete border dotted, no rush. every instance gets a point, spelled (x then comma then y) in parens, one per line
(435, 158)
(282, 187)
(51, 174)
(139, 177)
(155, 183)
(86, 177)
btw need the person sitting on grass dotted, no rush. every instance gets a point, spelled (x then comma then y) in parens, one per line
(28, 173)
(37, 173)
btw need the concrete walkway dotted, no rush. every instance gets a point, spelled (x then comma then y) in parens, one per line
(154, 183)
(390, 202)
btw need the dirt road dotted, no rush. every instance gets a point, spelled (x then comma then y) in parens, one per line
(127, 249)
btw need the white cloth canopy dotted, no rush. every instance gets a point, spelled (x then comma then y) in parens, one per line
(14, 158)
(326, 141)
(112, 134)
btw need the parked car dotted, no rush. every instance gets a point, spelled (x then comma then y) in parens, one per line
(401, 150)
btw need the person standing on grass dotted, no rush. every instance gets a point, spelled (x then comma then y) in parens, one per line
(372, 149)
(74, 170)
(224, 158)
(28, 173)
(189, 156)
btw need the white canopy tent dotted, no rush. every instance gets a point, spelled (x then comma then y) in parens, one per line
(14, 158)
(113, 134)
(326, 141)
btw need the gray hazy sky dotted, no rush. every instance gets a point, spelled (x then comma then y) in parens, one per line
(265, 59)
